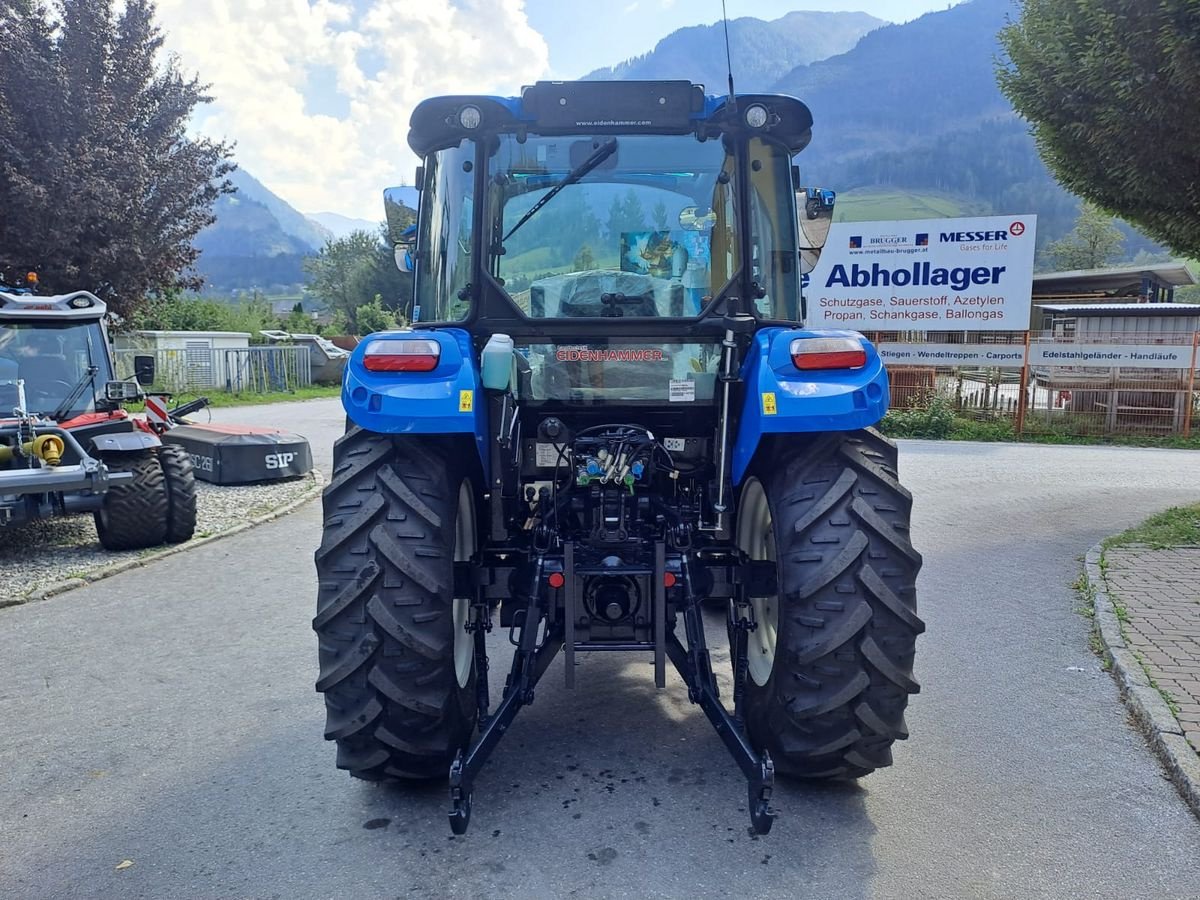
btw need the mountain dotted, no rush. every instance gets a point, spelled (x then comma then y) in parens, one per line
(341, 226)
(903, 111)
(762, 52)
(916, 108)
(258, 240)
(293, 223)
(908, 82)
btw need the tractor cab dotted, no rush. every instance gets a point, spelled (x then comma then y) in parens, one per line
(535, 214)
(55, 362)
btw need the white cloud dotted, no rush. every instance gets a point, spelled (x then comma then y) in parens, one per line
(258, 55)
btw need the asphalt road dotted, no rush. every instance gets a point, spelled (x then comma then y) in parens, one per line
(167, 716)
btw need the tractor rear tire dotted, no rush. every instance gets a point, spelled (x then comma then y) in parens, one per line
(831, 658)
(134, 514)
(181, 492)
(397, 666)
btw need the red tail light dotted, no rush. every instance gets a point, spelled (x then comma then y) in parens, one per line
(828, 353)
(403, 355)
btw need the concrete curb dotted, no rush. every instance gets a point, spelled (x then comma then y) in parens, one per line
(1150, 711)
(70, 584)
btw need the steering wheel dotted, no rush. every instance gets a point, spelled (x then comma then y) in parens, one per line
(49, 387)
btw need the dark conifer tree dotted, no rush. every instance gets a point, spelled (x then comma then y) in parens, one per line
(101, 187)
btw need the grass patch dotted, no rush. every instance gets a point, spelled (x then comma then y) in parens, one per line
(218, 399)
(939, 420)
(1178, 526)
(1086, 592)
(1167, 698)
(1087, 595)
(870, 204)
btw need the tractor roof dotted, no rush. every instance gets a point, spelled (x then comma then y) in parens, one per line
(606, 107)
(77, 305)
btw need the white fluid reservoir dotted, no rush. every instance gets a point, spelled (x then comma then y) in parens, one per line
(497, 362)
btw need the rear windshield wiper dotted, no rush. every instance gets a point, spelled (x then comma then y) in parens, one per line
(603, 152)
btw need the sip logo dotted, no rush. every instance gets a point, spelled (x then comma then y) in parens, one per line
(279, 460)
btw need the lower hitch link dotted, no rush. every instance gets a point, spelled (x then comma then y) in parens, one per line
(529, 664)
(695, 668)
(693, 664)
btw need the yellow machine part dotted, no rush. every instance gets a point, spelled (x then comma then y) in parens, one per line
(46, 447)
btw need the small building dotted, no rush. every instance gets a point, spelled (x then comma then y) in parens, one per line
(1134, 285)
(1148, 386)
(185, 358)
(1128, 322)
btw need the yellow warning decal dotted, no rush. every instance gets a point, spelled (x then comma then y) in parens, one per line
(768, 399)
(466, 401)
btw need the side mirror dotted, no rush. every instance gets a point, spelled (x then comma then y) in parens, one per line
(399, 205)
(143, 370)
(121, 392)
(401, 223)
(814, 209)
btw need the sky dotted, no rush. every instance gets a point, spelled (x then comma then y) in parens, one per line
(316, 94)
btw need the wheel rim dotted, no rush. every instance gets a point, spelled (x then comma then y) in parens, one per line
(464, 550)
(756, 538)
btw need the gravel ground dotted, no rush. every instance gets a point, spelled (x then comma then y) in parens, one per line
(41, 553)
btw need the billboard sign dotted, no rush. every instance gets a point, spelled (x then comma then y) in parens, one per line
(1000, 356)
(971, 274)
(1124, 356)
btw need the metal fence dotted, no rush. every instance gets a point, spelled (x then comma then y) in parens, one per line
(1045, 383)
(245, 370)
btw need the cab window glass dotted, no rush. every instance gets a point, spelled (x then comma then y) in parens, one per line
(443, 259)
(774, 262)
(649, 231)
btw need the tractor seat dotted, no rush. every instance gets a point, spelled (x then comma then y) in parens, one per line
(605, 293)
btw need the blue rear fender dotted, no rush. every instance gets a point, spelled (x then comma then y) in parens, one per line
(781, 399)
(447, 400)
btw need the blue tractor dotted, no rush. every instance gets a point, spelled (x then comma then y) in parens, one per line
(818, 202)
(607, 419)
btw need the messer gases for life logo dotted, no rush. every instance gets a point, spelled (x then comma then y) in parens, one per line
(1016, 229)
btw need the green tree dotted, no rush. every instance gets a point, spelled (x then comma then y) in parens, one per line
(1107, 85)
(373, 317)
(616, 221)
(101, 187)
(584, 259)
(171, 311)
(340, 272)
(1094, 242)
(661, 222)
(633, 212)
(297, 320)
(350, 272)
